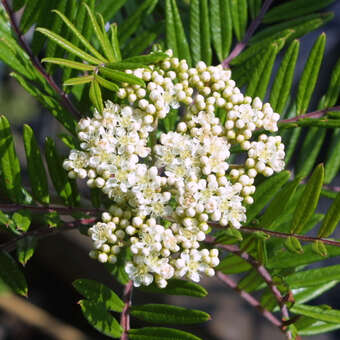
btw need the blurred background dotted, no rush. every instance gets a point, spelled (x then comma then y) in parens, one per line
(51, 310)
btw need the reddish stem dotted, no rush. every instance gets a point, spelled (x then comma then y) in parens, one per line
(125, 317)
(252, 28)
(250, 299)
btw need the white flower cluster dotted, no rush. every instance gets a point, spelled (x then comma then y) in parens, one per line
(166, 188)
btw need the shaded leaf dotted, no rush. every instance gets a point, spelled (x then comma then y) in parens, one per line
(11, 275)
(99, 293)
(160, 333)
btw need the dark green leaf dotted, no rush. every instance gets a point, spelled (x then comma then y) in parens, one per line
(309, 200)
(302, 295)
(265, 191)
(284, 78)
(9, 162)
(221, 27)
(152, 58)
(97, 292)
(12, 275)
(107, 84)
(239, 13)
(324, 314)
(25, 249)
(332, 218)
(98, 317)
(178, 287)
(35, 167)
(159, 313)
(310, 75)
(278, 205)
(160, 333)
(61, 182)
(95, 95)
(293, 9)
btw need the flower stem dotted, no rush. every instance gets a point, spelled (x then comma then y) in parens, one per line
(125, 317)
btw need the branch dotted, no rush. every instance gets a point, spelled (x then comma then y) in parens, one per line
(65, 101)
(250, 299)
(263, 272)
(315, 114)
(252, 28)
(286, 235)
(125, 318)
(45, 232)
(63, 210)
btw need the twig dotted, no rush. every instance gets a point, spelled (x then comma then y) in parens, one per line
(250, 299)
(252, 28)
(125, 317)
(315, 114)
(261, 270)
(45, 232)
(65, 101)
(63, 210)
(332, 188)
(286, 235)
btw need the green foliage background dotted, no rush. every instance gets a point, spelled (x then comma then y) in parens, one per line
(84, 58)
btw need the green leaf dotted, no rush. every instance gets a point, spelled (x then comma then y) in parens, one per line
(320, 248)
(107, 84)
(309, 200)
(259, 81)
(100, 33)
(318, 327)
(30, 15)
(279, 204)
(62, 184)
(160, 333)
(95, 95)
(239, 14)
(98, 317)
(118, 269)
(302, 295)
(284, 259)
(12, 275)
(221, 27)
(121, 76)
(310, 149)
(115, 42)
(35, 167)
(265, 191)
(313, 277)
(147, 59)
(99, 293)
(324, 314)
(79, 36)
(25, 249)
(293, 9)
(69, 63)
(251, 281)
(310, 75)
(68, 46)
(331, 219)
(7, 224)
(177, 287)
(175, 35)
(228, 236)
(159, 313)
(233, 265)
(131, 24)
(254, 7)
(110, 8)
(78, 80)
(22, 219)
(293, 245)
(200, 32)
(9, 162)
(280, 91)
